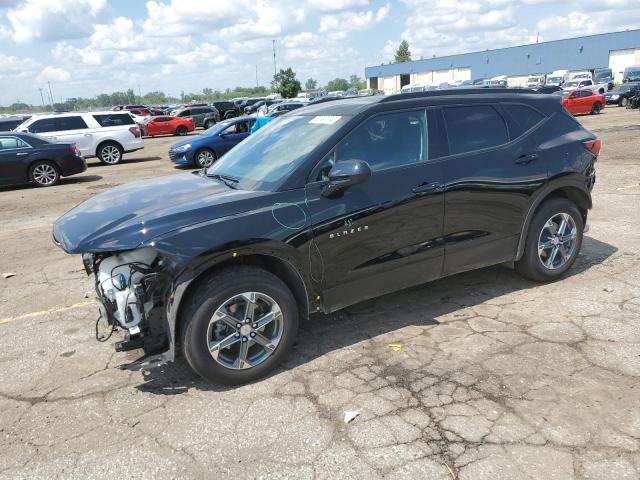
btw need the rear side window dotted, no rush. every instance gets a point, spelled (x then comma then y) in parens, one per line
(70, 123)
(114, 120)
(524, 116)
(474, 127)
(7, 143)
(184, 113)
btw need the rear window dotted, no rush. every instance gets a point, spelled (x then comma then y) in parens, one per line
(524, 116)
(475, 127)
(114, 120)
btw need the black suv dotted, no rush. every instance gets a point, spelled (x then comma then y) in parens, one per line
(205, 117)
(227, 109)
(330, 205)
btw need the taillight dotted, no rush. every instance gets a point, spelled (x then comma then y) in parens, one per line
(135, 131)
(74, 150)
(593, 146)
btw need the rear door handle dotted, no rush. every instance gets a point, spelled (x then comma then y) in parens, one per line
(426, 188)
(526, 159)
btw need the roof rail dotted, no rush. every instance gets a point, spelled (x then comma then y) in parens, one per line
(456, 91)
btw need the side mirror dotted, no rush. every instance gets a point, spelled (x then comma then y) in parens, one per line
(346, 174)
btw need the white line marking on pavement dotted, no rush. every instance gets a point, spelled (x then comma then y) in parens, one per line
(44, 312)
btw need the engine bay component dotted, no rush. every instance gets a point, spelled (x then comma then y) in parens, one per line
(120, 284)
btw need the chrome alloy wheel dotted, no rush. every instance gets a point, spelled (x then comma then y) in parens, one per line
(245, 330)
(557, 241)
(110, 154)
(205, 158)
(45, 174)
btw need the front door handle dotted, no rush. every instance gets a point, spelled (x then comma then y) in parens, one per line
(527, 158)
(426, 188)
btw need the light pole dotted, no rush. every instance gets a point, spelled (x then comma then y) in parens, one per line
(256, 75)
(50, 94)
(274, 58)
(41, 97)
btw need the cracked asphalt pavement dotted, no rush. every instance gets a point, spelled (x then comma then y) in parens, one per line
(482, 375)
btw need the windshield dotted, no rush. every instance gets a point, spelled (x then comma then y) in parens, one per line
(633, 73)
(571, 84)
(554, 79)
(217, 128)
(265, 159)
(602, 76)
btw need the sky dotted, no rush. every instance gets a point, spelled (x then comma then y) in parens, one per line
(87, 47)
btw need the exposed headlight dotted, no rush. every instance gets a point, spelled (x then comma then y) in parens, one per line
(615, 97)
(183, 148)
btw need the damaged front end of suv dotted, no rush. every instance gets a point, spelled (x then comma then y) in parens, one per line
(131, 290)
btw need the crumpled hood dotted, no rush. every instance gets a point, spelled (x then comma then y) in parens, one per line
(126, 216)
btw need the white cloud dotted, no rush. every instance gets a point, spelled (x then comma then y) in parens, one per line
(53, 19)
(353, 21)
(336, 5)
(54, 74)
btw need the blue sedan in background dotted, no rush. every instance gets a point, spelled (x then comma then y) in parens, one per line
(202, 150)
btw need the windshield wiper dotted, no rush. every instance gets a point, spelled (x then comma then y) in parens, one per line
(228, 180)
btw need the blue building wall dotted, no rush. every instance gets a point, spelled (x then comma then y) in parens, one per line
(572, 54)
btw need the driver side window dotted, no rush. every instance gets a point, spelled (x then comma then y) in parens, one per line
(383, 141)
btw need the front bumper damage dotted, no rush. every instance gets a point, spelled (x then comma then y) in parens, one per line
(132, 289)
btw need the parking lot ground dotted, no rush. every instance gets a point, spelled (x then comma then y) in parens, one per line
(479, 376)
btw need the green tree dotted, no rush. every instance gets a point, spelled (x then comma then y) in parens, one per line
(337, 84)
(403, 54)
(356, 82)
(311, 84)
(286, 83)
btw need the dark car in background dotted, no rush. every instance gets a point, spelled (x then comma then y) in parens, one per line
(249, 102)
(227, 109)
(28, 158)
(203, 116)
(202, 150)
(621, 94)
(9, 123)
(328, 206)
(548, 89)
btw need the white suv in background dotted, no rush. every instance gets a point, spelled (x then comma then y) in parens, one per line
(106, 135)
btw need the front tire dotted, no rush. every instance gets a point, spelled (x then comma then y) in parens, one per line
(44, 174)
(623, 101)
(553, 241)
(208, 124)
(239, 325)
(204, 158)
(110, 153)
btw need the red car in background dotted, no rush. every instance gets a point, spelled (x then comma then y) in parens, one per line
(583, 101)
(168, 125)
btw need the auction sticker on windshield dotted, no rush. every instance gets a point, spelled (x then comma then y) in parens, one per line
(325, 119)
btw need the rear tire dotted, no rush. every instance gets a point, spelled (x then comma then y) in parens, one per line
(44, 173)
(596, 108)
(218, 311)
(208, 124)
(110, 153)
(182, 130)
(205, 157)
(548, 256)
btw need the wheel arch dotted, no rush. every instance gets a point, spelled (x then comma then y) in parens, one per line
(574, 191)
(281, 268)
(108, 140)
